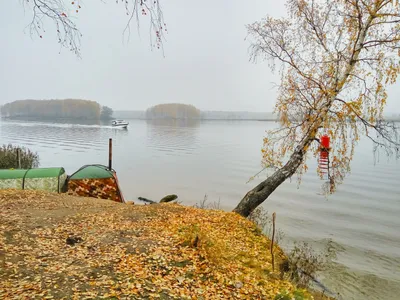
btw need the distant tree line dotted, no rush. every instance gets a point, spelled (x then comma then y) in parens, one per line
(67, 108)
(173, 111)
(237, 115)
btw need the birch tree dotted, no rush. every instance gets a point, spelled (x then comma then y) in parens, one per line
(335, 59)
(63, 14)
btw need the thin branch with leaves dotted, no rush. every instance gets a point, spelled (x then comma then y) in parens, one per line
(64, 15)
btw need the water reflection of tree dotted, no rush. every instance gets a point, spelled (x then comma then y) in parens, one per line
(172, 134)
(119, 132)
(174, 122)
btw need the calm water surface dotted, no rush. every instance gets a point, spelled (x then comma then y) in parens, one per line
(217, 158)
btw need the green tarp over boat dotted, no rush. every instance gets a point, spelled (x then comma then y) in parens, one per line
(95, 181)
(92, 172)
(47, 179)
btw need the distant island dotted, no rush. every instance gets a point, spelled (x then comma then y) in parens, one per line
(56, 109)
(173, 111)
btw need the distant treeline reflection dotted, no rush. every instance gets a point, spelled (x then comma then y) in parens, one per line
(174, 122)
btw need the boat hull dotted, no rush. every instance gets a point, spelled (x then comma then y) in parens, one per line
(120, 124)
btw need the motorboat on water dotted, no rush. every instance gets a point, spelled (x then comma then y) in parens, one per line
(120, 123)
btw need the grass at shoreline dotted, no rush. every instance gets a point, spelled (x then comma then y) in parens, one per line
(59, 246)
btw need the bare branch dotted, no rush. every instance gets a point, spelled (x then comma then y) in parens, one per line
(68, 34)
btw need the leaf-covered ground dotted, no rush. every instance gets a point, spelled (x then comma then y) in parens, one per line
(59, 246)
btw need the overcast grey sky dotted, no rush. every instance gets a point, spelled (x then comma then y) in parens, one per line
(206, 59)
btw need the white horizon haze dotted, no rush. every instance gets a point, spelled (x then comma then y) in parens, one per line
(206, 60)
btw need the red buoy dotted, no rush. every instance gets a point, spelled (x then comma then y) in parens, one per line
(325, 141)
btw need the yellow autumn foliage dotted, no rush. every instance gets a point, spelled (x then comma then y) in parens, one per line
(59, 246)
(336, 59)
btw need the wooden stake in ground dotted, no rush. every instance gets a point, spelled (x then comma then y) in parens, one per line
(19, 158)
(110, 154)
(272, 241)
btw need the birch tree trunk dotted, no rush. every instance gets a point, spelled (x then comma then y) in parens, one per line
(261, 192)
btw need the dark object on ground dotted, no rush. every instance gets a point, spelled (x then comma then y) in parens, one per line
(196, 241)
(147, 200)
(72, 240)
(167, 198)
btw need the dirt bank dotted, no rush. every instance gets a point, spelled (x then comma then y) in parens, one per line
(59, 246)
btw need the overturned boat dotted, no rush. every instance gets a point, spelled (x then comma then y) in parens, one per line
(95, 181)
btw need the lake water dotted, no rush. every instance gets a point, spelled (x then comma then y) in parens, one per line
(361, 220)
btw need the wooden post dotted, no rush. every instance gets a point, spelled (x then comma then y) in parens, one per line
(272, 241)
(18, 158)
(110, 153)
